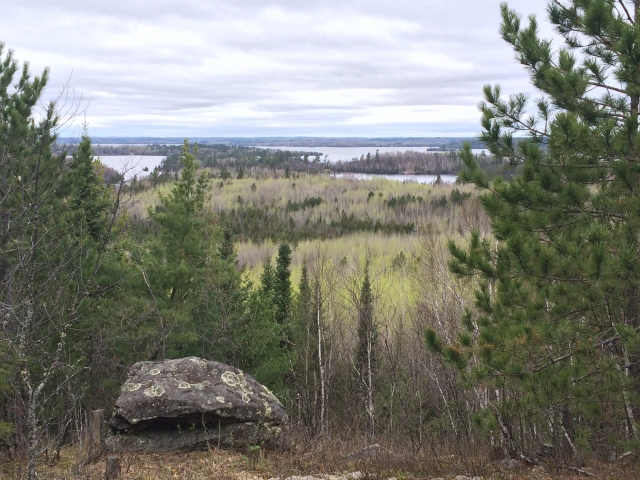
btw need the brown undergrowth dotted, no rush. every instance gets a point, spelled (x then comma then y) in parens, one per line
(318, 457)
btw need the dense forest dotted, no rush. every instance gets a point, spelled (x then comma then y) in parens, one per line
(494, 318)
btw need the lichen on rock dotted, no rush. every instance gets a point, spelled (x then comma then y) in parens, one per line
(200, 395)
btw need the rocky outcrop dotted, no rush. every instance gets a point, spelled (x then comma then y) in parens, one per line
(190, 402)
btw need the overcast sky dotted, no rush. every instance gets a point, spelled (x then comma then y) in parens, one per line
(270, 68)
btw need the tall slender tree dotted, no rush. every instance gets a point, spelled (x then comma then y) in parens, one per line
(282, 285)
(367, 349)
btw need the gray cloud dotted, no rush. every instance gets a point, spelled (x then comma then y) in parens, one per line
(284, 67)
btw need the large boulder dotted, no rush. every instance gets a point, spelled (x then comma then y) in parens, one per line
(190, 402)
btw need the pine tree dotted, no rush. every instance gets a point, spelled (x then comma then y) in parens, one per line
(556, 328)
(181, 247)
(172, 263)
(53, 252)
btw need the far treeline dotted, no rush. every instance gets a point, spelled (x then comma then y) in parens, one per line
(403, 161)
(499, 318)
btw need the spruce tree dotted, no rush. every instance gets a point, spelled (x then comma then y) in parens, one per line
(555, 328)
(282, 284)
(89, 198)
(305, 344)
(227, 250)
(367, 349)
(154, 177)
(266, 279)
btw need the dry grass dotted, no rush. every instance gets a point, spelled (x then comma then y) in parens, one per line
(312, 458)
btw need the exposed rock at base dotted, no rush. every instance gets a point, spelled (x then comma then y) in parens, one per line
(346, 476)
(511, 464)
(189, 402)
(367, 452)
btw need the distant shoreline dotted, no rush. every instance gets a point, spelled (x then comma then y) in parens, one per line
(444, 143)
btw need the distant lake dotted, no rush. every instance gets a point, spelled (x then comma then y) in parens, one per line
(401, 178)
(348, 153)
(133, 164)
(136, 163)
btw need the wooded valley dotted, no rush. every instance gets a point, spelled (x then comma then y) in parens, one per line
(488, 327)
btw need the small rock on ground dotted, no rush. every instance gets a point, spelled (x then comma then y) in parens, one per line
(348, 476)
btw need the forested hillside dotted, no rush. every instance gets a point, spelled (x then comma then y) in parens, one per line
(487, 325)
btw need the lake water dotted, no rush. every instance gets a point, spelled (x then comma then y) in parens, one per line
(132, 164)
(348, 153)
(401, 178)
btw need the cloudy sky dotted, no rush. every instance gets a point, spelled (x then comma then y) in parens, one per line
(271, 67)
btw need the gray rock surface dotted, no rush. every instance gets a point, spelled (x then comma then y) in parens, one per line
(511, 464)
(346, 476)
(190, 401)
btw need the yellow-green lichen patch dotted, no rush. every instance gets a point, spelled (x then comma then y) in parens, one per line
(230, 378)
(220, 399)
(267, 393)
(237, 381)
(155, 371)
(184, 385)
(154, 391)
(131, 387)
(267, 408)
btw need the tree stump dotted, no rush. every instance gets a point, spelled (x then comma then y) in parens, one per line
(94, 435)
(112, 468)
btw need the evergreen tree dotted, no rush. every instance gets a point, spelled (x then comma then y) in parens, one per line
(89, 199)
(53, 257)
(226, 250)
(267, 279)
(173, 262)
(367, 349)
(219, 312)
(183, 220)
(556, 328)
(304, 301)
(305, 340)
(154, 177)
(282, 285)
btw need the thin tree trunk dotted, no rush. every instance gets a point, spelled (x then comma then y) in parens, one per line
(321, 365)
